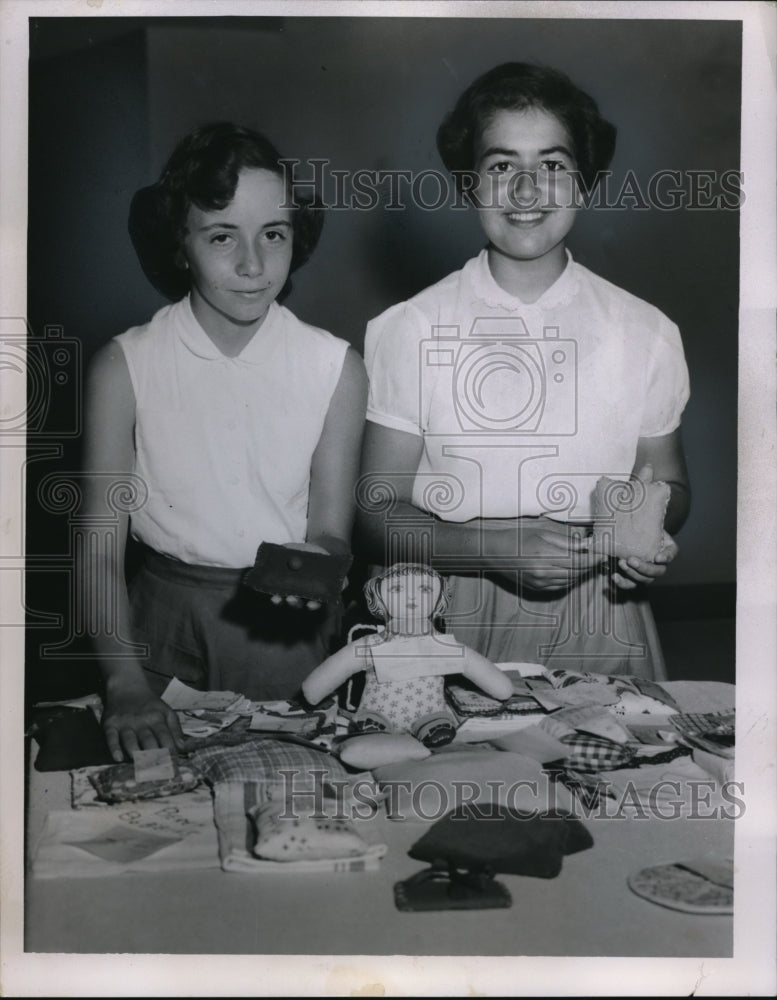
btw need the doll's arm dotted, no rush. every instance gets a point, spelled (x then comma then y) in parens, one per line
(334, 671)
(486, 675)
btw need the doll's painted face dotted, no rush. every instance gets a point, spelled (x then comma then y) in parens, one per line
(410, 598)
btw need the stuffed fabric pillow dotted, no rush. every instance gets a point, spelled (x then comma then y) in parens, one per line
(427, 789)
(272, 761)
(281, 836)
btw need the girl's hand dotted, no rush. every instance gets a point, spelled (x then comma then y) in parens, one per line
(292, 600)
(635, 571)
(555, 560)
(549, 555)
(135, 719)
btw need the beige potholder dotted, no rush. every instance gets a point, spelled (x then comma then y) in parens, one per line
(629, 517)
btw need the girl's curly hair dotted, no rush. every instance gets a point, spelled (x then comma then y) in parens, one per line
(515, 87)
(203, 170)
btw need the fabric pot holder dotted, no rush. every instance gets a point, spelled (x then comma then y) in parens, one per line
(697, 886)
(316, 576)
(69, 738)
(121, 783)
(470, 845)
(496, 839)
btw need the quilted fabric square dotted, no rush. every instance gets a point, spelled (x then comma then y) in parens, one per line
(270, 760)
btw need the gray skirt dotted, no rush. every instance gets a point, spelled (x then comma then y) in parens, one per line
(592, 627)
(202, 626)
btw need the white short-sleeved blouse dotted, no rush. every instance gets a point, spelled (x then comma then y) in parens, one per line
(522, 407)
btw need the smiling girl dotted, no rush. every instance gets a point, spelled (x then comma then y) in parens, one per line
(500, 395)
(244, 425)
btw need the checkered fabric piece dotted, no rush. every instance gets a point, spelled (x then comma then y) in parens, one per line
(696, 723)
(710, 731)
(594, 753)
(272, 762)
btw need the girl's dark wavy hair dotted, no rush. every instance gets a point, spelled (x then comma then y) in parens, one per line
(514, 87)
(203, 170)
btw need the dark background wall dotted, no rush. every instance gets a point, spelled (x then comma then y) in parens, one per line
(110, 97)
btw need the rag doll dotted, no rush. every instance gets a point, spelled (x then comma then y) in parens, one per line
(403, 713)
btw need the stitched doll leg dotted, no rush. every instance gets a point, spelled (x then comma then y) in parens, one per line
(435, 730)
(369, 721)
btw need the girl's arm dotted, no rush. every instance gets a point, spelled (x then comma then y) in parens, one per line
(390, 459)
(334, 469)
(133, 717)
(335, 464)
(659, 458)
(334, 671)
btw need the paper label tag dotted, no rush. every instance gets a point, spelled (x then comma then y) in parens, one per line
(153, 765)
(275, 724)
(405, 659)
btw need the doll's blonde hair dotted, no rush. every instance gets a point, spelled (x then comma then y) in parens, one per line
(377, 605)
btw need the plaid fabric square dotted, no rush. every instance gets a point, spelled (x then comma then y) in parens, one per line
(710, 731)
(697, 723)
(594, 753)
(271, 761)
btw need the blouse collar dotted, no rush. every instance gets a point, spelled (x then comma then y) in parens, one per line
(560, 293)
(196, 340)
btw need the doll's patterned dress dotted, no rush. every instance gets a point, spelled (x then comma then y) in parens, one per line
(404, 703)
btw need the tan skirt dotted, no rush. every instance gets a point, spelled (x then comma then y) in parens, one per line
(594, 627)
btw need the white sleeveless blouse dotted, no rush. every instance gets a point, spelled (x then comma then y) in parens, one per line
(225, 444)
